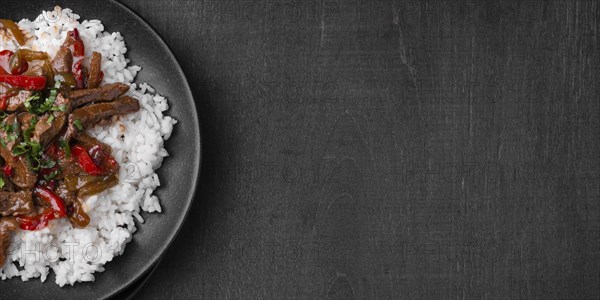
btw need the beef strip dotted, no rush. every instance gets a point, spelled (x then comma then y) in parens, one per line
(16, 98)
(11, 123)
(24, 119)
(44, 132)
(92, 114)
(68, 167)
(7, 226)
(61, 100)
(63, 61)
(15, 203)
(68, 131)
(77, 215)
(104, 93)
(23, 176)
(87, 141)
(95, 76)
(8, 185)
(17, 102)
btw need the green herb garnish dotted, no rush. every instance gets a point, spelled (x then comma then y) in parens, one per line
(32, 151)
(65, 146)
(47, 164)
(77, 124)
(35, 104)
(29, 131)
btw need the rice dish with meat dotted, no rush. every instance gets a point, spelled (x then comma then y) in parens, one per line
(137, 142)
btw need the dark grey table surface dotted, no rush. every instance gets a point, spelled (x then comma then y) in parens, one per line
(388, 150)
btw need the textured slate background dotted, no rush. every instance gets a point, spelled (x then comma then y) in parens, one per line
(375, 149)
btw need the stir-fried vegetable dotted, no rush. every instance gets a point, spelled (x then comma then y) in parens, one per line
(31, 55)
(36, 222)
(55, 203)
(90, 185)
(32, 83)
(85, 161)
(78, 50)
(46, 104)
(55, 210)
(14, 29)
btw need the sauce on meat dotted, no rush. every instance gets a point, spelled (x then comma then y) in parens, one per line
(49, 163)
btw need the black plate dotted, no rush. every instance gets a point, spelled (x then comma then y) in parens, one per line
(179, 173)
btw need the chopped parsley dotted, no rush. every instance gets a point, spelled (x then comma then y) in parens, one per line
(47, 164)
(31, 149)
(35, 104)
(29, 131)
(77, 124)
(65, 146)
(11, 131)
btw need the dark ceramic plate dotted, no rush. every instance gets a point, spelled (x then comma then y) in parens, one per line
(178, 174)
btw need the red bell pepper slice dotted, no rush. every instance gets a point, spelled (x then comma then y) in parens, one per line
(85, 161)
(78, 51)
(56, 203)
(12, 63)
(36, 222)
(32, 83)
(103, 160)
(57, 210)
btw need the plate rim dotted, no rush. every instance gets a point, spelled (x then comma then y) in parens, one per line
(155, 259)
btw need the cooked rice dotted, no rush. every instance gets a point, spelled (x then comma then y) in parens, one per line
(137, 141)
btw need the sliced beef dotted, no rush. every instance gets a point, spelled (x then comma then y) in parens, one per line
(9, 135)
(95, 76)
(77, 215)
(92, 114)
(7, 226)
(63, 61)
(61, 100)
(23, 176)
(25, 119)
(68, 167)
(16, 203)
(104, 93)
(17, 102)
(87, 141)
(46, 131)
(8, 185)
(68, 131)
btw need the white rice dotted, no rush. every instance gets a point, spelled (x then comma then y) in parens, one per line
(137, 141)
